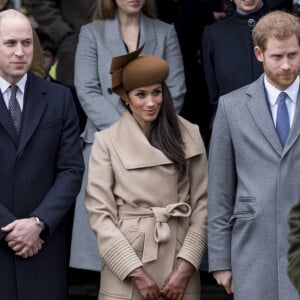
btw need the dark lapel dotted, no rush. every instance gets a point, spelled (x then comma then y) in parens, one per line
(34, 106)
(259, 110)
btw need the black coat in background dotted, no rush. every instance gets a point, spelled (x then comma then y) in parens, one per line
(228, 54)
(190, 17)
(40, 175)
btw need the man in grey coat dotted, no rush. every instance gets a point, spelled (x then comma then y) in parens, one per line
(254, 165)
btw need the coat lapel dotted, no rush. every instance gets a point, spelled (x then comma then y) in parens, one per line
(147, 35)
(295, 130)
(133, 147)
(259, 110)
(34, 106)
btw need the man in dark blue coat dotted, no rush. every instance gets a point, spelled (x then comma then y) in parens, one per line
(41, 170)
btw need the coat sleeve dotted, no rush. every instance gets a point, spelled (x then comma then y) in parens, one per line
(97, 107)
(176, 78)
(221, 192)
(6, 217)
(294, 246)
(114, 248)
(194, 245)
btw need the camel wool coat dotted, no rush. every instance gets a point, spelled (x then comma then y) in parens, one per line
(141, 212)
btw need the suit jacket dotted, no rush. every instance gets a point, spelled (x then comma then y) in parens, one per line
(40, 175)
(253, 183)
(115, 206)
(99, 42)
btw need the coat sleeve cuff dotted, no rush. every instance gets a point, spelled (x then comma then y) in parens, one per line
(121, 259)
(193, 248)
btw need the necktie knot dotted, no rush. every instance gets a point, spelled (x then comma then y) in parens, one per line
(15, 109)
(282, 96)
(282, 119)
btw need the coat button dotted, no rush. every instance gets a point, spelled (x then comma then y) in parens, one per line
(109, 90)
(251, 22)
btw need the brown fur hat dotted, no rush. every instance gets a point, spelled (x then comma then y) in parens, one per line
(132, 71)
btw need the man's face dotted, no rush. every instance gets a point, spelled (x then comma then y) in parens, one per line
(248, 5)
(281, 61)
(16, 48)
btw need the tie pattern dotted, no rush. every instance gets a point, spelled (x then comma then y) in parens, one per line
(282, 120)
(15, 109)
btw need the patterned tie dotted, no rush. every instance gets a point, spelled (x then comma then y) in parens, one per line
(282, 120)
(14, 108)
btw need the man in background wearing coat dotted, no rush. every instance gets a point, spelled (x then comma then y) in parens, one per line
(62, 20)
(41, 170)
(254, 169)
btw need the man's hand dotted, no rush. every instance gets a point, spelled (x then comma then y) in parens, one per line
(224, 278)
(23, 237)
(145, 284)
(177, 281)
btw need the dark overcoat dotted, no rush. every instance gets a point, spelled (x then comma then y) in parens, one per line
(40, 175)
(228, 54)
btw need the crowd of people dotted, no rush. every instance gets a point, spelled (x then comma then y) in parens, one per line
(165, 143)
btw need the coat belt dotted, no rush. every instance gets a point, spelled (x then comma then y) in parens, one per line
(161, 232)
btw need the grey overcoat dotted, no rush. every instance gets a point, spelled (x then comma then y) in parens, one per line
(253, 183)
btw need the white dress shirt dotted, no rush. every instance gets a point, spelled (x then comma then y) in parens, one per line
(291, 100)
(6, 91)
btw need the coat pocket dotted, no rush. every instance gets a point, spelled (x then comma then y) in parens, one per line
(245, 208)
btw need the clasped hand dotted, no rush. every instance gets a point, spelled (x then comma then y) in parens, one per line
(174, 286)
(23, 237)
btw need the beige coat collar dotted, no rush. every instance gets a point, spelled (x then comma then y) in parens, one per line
(135, 150)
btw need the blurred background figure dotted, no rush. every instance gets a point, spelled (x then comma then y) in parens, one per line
(228, 55)
(189, 18)
(62, 20)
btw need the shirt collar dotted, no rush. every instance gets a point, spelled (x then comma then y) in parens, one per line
(4, 85)
(273, 92)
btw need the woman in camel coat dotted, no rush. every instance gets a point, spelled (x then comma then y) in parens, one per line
(147, 190)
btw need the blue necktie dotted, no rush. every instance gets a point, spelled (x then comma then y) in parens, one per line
(282, 120)
(14, 108)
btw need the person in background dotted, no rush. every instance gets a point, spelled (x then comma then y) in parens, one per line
(191, 16)
(227, 50)
(254, 169)
(120, 27)
(62, 20)
(151, 239)
(49, 52)
(41, 169)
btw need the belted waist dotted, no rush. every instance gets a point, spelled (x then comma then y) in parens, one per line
(161, 232)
